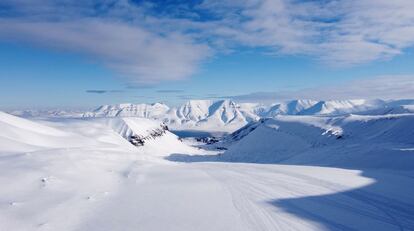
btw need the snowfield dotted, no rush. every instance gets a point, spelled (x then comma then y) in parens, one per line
(343, 172)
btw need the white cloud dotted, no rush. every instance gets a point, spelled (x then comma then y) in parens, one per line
(141, 55)
(149, 48)
(342, 32)
(382, 87)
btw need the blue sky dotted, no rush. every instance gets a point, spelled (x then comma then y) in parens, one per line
(66, 54)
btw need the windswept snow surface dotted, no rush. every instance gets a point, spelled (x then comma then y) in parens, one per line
(82, 174)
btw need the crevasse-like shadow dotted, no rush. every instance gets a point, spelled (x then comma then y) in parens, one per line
(387, 204)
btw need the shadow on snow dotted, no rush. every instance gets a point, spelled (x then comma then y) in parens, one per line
(377, 206)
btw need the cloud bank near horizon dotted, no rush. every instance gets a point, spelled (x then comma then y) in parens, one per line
(382, 87)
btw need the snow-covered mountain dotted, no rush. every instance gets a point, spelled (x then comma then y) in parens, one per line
(351, 140)
(339, 107)
(154, 111)
(329, 107)
(227, 115)
(194, 114)
(209, 115)
(292, 107)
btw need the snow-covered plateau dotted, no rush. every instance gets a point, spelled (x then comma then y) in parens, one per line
(297, 165)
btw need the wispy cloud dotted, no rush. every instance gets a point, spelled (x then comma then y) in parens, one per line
(115, 35)
(187, 97)
(139, 55)
(103, 91)
(147, 45)
(338, 32)
(383, 87)
(96, 91)
(170, 91)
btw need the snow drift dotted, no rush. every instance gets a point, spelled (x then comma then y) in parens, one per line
(21, 135)
(17, 134)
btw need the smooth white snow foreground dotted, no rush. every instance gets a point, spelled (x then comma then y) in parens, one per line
(96, 180)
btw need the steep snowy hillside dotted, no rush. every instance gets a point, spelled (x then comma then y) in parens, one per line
(355, 140)
(150, 136)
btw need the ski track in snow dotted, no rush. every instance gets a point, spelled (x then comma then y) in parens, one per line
(155, 196)
(251, 188)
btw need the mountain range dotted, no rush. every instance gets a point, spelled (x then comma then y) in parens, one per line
(227, 115)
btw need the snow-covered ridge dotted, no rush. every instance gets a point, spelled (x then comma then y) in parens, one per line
(352, 140)
(137, 131)
(156, 110)
(21, 135)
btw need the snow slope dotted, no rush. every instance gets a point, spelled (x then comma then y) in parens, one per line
(353, 140)
(59, 173)
(160, 145)
(105, 183)
(19, 134)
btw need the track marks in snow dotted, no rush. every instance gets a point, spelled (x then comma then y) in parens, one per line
(272, 197)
